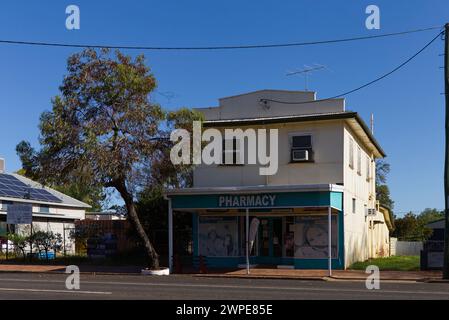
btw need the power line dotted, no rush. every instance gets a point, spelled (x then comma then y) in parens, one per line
(366, 84)
(231, 47)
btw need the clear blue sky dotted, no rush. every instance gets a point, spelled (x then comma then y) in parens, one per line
(408, 106)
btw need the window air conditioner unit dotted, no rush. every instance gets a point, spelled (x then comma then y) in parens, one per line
(300, 155)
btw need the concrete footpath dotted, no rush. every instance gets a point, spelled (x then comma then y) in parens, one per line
(422, 276)
(262, 273)
(62, 268)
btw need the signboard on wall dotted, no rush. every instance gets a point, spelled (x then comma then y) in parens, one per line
(19, 214)
(247, 201)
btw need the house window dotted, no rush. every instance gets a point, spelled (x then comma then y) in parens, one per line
(231, 152)
(351, 153)
(301, 148)
(368, 169)
(353, 205)
(44, 209)
(4, 205)
(359, 161)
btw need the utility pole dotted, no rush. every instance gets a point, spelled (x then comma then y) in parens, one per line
(446, 161)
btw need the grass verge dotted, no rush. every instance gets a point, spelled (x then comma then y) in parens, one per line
(394, 263)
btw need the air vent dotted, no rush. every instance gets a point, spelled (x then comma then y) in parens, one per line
(370, 212)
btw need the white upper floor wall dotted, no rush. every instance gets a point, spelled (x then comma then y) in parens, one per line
(331, 130)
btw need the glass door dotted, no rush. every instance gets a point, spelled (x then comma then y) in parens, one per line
(264, 237)
(270, 241)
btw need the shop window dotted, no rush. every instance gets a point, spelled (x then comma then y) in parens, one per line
(301, 148)
(218, 236)
(289, 237)
(312, 237)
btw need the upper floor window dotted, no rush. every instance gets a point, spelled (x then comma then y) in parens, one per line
(231, 152)
(359, 161)
(368, 168)
(44, 209)
(301, 148)
(4, 205)
(351, 153)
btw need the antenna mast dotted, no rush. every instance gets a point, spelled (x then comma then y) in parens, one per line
(306, 72)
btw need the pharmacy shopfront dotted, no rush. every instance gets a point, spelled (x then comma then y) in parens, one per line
(273, 226)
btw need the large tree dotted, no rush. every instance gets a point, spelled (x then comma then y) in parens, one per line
(382, 190)
(78, 187)
(104, 124)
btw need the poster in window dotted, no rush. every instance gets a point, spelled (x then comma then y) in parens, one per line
(218, 236)
(311, 237)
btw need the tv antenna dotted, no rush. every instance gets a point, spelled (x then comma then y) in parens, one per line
(306, 72)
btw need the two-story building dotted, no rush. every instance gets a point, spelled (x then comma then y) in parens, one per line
(325, 181)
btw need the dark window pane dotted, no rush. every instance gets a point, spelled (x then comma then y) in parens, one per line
(302, 142)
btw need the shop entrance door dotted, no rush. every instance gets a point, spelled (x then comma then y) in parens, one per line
(270, 241)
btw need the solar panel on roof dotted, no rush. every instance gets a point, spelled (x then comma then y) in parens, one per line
(12, 187)
(43, 195)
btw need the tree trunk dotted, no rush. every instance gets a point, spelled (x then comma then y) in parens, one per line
(132, 214)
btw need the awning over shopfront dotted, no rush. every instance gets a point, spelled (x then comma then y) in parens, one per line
(299, 196)
(265, 201)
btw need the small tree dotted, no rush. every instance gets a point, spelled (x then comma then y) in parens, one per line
(46, 241)
(382, 190)
(19, 241)
(56, 242)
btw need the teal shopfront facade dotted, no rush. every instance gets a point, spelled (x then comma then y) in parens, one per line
(288, 227)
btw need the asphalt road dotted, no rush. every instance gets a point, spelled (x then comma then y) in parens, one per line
(52, 287)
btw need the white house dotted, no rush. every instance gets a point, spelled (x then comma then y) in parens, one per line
(325, 176)
(51, 210)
